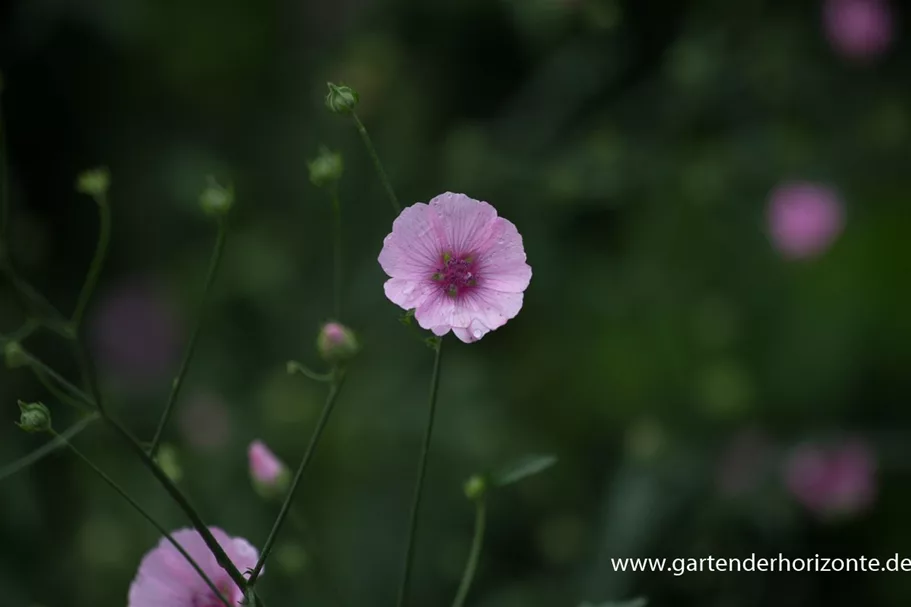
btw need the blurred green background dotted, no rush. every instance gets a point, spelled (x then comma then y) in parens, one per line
(634, 144)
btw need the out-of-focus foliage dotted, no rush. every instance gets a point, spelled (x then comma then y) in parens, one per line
(667, 352)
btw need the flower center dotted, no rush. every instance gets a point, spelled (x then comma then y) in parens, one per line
(456, 275)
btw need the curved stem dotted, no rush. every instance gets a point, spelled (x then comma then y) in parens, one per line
(47, 448)
(296, 367)
(113, 484)
(419, 486)
(101, 250)
(471, 566)
(334, 390)
(337, 252)
(57, 393)
(376, 163)
(191, 344)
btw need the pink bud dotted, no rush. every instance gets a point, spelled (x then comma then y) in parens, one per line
(832, 481)
(804, 219)
(336, 342)
(265, 468)
(859, 29)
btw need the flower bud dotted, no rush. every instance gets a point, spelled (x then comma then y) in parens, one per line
(326, 168)
(34, 417)
(216, 200)
(269, 474)
(475, 487)
(341, 99)
(94, 183)
(169, 463)
(336, 343)
(14, 355)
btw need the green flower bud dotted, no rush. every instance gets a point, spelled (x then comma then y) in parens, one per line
(169, 463)
(337, 343)
(34, 417)
(475, 487)
(94, 183)
(326, 168)
(216, 200)
(14, 355)
(341, 99)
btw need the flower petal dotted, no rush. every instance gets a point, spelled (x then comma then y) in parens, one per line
(408, 293)
(466, 223)
(502, 265)
(412, 250)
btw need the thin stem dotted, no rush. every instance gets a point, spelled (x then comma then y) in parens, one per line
(419, 486)
(47, 448)
(57, 393)
(214, 262)
(471, 566)
(296, 367)
(337, 253)
(376, 163)
(101, 250)
(334, 390)
(182, 501)
(116, 487)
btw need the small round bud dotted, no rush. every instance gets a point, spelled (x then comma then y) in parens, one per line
(14, 355)
(169, 462)
(216, 200)
(341, 99)
(326, 168)
(336, 343)
(94, 183)
(475, 487)
(34, 417)
(269, 474)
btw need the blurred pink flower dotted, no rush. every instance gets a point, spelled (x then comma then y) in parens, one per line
(742, 463)
(135, 334)
(859, 29)
(804, 219)
(265, 467)
(832, 481)
(457, 264)
(166, 579)
(204, 421)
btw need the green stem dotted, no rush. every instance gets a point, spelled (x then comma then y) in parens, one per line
(475, 555)
(182, 501)
(296, 367)
(57, 393)
(116, 487)
(377, 164)
(214, 262)
(101, 250)
(337, 253)
(334, 390)
(47, 448)
(419, 486)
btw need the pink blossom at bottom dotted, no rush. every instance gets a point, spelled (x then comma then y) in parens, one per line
(458, 265)
(804, 219)
(859, 29)
(832, 480)
(166, 579)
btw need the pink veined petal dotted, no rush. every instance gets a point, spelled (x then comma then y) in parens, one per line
(502, 259)
(441, 310)
(243, 554)
(408, 293)
(466, 223)
(475, 331)
(412, 250)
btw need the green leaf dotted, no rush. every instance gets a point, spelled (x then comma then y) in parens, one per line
(522, 468)
(640, 602)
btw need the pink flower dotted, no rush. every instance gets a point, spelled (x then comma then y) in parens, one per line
(265, 467)
(457, 264)
(832, 481)
(859, 29)
(804, 219)
(166, 579)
